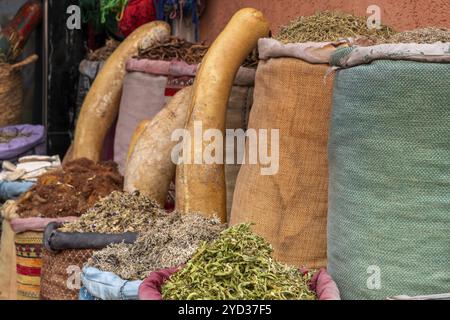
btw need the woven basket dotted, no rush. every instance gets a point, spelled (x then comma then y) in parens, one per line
(59, 273)
(29, 262)
(11, 91)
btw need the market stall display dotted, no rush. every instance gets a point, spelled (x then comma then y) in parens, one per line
(308, 165)
(114, 219)
(389, 171)
(238, 265)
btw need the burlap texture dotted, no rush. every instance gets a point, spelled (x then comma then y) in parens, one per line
(389, 157)
(7, 263)
(239, 104)
(55, 275)
(289, 209)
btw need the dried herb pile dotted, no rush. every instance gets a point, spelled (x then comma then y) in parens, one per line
(71, 190)
(238, 265)
(174, 48)
(119, 212)
(7, 136)
(421, 35)
(169, 241)
(104, 52)
(330, 26)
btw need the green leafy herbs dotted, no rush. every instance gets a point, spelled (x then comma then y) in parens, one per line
(238, 265)
(330, 26)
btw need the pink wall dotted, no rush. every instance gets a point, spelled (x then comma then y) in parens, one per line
(400, 14)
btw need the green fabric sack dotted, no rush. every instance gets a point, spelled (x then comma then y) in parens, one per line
(389, 189)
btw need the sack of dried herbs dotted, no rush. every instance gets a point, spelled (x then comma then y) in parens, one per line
(421, 35)
(238, 265)
(70, 190)
(118, 212)
(389, 169)
(292, 69)
(330, 26)
(170, 240)
(113, 219)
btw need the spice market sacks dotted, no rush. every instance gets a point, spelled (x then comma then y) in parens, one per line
(289, 208)
(389, 157)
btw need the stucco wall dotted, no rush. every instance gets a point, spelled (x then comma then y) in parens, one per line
(400, 14)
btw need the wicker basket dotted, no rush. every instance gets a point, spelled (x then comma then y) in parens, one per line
(28, 259)
(59, 273)
(11, 91)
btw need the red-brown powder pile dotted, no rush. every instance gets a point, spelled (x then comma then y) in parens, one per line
(71, 190)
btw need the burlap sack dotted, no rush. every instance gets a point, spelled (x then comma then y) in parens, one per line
(146, 88)
(7, 263)
(389, 152)
(8, 288)
(289, 209)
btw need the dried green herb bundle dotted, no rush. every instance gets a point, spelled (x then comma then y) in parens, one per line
(238, 265)
(422, 35)
(175, 48)
(329, 26)
(119, 212)
(169, 241)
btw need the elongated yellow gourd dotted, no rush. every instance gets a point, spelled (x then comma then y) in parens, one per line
(101, 104)
(150, 168)
(201, 187)
(136, 135)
